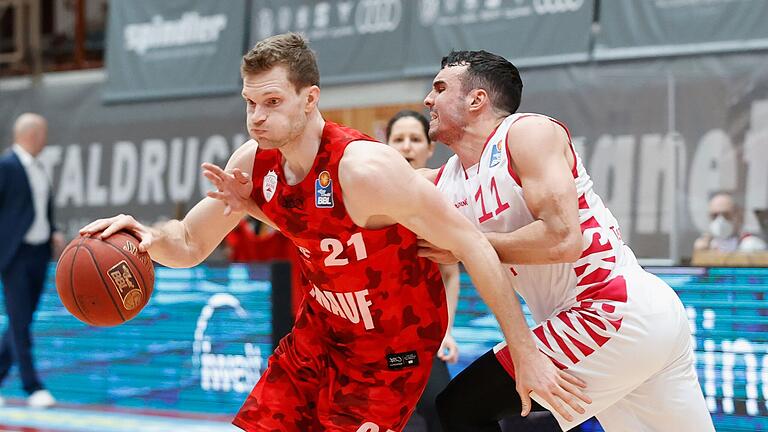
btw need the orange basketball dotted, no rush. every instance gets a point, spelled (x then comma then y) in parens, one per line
(105, 282)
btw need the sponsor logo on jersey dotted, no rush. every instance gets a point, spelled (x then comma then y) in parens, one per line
(352, 306)
(269, 185)
(397, 361)
(324, 190)
(460, 204)
(495, 155)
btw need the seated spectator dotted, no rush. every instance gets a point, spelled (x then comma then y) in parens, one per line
(725, 228)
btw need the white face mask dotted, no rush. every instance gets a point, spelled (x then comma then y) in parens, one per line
(721, 228)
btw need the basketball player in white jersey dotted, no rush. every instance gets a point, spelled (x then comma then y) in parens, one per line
(600, 315)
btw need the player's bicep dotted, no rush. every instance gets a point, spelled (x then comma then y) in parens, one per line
(538, 155)
(379, 182)
(428, 214)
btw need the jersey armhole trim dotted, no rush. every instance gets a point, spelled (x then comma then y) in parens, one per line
(439, 174)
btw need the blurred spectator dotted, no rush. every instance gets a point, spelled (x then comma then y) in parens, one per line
(725, 228)
(28, 240)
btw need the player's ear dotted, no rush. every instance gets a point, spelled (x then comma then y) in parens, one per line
(313, 97)
(478, 98)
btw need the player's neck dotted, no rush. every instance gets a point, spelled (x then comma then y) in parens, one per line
(470, 146)
(299, 155)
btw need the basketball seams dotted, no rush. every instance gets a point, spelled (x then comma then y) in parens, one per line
(72, 277)
(104, 282)
(129, 260)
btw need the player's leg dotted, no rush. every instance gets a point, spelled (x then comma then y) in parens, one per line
(285, 398)
(427, 406)
(478, 397)
(670, 400)
(361, 398)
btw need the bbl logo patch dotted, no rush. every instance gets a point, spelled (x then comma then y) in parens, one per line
(269, 185)
(495, 155)
(324, 190)
(126, 285)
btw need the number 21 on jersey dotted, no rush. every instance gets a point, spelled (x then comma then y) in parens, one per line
(336, 247)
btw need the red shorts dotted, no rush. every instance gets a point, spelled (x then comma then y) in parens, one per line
(309, 386)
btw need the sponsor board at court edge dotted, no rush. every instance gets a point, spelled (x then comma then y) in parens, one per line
(221, 372)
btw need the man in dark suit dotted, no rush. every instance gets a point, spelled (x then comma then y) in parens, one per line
(27, 238)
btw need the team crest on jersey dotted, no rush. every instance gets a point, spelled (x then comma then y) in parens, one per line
(269, 185)
(324, 190)
(495, 155)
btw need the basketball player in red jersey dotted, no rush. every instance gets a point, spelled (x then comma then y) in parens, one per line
(622, 330)
(359, 354)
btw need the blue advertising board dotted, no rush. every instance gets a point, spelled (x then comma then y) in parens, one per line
(199, 345)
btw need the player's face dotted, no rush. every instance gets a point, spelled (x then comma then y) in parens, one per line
(407, 136)
(447, 106)
(276, 113)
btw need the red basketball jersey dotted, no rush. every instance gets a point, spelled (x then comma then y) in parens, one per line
(374, 296)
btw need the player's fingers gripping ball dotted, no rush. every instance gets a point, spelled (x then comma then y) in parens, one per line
(104, 282)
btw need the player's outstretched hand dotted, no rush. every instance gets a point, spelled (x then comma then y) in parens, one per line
(434, 253)
(233, 188)
(449, 350)
(106, 227)
(558, 388)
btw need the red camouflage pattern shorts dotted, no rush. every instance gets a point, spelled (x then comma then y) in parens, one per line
(308, 387)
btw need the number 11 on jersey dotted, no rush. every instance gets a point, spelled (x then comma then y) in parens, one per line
(500, 206)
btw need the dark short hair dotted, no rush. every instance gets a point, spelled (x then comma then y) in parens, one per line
(408, 113)
(289, 50)
(491, 72)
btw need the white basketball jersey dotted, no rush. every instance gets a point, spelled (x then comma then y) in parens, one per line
(490, 195)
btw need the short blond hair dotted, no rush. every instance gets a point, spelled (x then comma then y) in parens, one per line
(290, 50)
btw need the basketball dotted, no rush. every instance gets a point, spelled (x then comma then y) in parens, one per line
(104, 282)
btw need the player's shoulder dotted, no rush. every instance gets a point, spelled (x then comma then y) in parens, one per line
(243, 156)
(529, 121)
(529, 130)
(367, 157)
(372, 167)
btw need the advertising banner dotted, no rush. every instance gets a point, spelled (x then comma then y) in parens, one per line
(173, 48)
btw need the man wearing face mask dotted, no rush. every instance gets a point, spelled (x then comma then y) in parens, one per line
(724, 233)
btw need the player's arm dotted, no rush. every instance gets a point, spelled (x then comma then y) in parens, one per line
(187, 242)
(379, 184)
(428, 173)
(449, 350)
(450, 274)
(538, 150)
